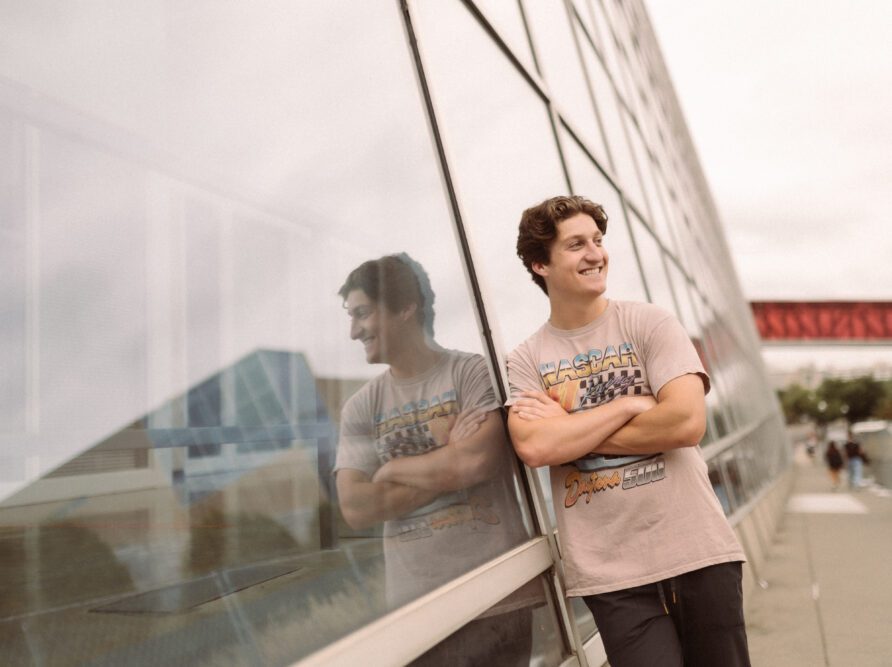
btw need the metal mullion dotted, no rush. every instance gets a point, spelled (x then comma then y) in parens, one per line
(714, 362)
(529, 481)
(574, 135)
(571, 19)
(576, 19)
(722, 444)
(494, 353)
(406, 633)
(554, 111)
(534, 79)
(627, 206)
(567, 625)
(451, 194)
(595, 652)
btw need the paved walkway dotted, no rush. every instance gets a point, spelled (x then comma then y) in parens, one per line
(829, 575)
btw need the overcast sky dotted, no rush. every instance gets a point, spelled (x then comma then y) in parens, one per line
(790, 107)
(789, 103)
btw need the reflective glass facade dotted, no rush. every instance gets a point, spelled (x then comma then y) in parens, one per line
(184, 191)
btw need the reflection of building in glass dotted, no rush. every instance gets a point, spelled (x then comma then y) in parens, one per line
(201, 442)
(176, 203)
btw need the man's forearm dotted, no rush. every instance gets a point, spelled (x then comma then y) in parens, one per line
(564, 438)
(663, 427)
(456, 465)
(432, 471)
(370, 503)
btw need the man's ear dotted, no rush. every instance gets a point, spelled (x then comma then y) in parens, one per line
(408, 312)
(539, 268)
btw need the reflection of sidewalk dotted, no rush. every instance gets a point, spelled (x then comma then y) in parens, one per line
(829, 575)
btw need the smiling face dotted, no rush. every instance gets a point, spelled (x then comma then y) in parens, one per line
(374, 326)
(577, 264)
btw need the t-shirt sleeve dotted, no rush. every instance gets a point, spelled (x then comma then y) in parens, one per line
(669, 352)
(473, 385)
(522, 374)
(356, 442)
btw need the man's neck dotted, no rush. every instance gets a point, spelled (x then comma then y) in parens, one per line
(575, 314)
(414, 358)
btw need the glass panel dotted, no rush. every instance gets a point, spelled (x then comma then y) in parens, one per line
(562, 70)
(745, 458)
(624, 277)
(582, 13)
(652, 265)
(545, 484)
(643, 165)
(664, 213)
(734, 390)
(506, 634)
(486, 150)
(716, 478)
(607, 46)
(718, 425)
(614, 133)
(687, 317)
(13, 333)
(682, 290)
(734, 477)
(197, 191)
(585, 622)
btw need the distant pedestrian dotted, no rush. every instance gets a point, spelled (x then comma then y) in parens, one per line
(834, 463)
(856, 459)
(811, 446)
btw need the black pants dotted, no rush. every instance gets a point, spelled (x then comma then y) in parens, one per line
(694, 619)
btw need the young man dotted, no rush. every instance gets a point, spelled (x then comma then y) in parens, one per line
(423, 450)
(610, 395)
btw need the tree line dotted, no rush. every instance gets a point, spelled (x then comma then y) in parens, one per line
(854, 400)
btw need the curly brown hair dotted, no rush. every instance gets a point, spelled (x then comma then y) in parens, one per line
(538, 228)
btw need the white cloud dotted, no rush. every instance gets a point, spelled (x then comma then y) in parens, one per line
(789, 104)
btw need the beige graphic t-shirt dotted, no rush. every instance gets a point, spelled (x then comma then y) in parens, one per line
(390, 418)
(625, 521)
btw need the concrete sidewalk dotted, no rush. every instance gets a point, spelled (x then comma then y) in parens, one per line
(829, 575)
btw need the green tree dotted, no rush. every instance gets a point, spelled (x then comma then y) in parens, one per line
(854, 400)
(862, 396)
(884, 407)
(797, 402)
(830, 404)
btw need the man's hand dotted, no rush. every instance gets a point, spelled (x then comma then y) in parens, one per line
(467, 424)
(537, 405)
(384, 473)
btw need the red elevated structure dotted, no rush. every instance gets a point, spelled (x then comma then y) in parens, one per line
(867, 322)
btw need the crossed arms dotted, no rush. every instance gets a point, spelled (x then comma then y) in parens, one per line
(543, 433)
(473, 453)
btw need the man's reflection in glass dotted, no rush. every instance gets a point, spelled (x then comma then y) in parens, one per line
(423, 451)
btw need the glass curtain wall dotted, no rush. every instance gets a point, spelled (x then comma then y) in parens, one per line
(259, 284)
